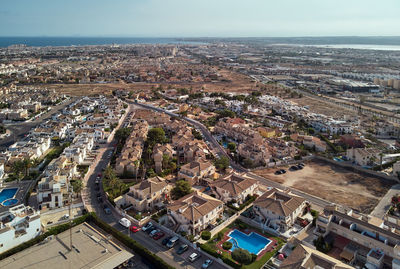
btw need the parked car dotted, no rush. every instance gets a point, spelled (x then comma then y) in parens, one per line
(283, 171)
(278, 172)
(153, 232)
(172, 242)
(106, 209)
(293, 168)
(125, 222)
(134, 229)
(166, 240)
(182, 248)
(194, 256)
(65, 217)
(158, 235)
(149, 230)
(207, 263)
(147, 226)
(299, 167)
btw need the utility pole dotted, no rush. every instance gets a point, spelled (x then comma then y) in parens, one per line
(69, 214)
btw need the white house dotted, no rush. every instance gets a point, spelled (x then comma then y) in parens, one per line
(17, 225)
(278, 210)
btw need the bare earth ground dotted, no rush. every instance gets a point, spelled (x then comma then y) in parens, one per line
(334, 184)
(318, 106)
(234, 83)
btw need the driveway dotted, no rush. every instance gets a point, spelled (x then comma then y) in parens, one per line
(384, 204)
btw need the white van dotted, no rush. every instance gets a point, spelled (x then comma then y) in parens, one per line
(125, 222)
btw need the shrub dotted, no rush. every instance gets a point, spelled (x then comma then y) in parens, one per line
(227, 245)
(220, 235)
(209, 250)
(242, 256)
(205, 235)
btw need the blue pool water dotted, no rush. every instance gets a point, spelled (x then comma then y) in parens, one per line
(6, 194)
(253, 242)
(10, 202)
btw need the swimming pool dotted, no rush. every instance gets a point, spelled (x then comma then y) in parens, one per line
(253, 242)
(10, 202)
(6, 194)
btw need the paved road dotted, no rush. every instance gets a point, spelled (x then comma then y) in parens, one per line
(213, 143)
(218, 148)
(90, 195)
(18, 130)
(384, 204)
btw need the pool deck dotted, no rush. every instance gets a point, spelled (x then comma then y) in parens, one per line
(269, 248)
(23, 188)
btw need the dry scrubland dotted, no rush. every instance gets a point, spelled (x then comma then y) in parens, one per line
(334, 184)
(326, 108)
(234, 82)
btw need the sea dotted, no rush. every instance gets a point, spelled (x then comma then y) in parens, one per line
(82, 41)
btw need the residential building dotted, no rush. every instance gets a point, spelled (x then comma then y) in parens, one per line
(17, 225)
(147, 195)
(195, 212)
(304, 257)
(195, 171)
(235, 187)
(91, 249)
(376, 243)
(278, 209)
(363, 156)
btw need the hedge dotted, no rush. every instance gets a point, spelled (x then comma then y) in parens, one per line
(91, 217)
(213, 253)
(52, 231)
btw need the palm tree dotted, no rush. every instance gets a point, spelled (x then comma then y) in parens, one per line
(27, 164)
(17, 168)
(137, 164)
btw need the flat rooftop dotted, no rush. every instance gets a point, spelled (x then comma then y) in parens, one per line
(91, 249)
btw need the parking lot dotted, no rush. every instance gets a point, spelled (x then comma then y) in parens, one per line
(182, 260)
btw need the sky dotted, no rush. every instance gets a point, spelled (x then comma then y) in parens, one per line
(199, 18)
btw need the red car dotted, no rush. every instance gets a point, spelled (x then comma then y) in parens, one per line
(158, 235)
(134, 229)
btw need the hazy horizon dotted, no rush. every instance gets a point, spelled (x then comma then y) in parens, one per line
(206, 18)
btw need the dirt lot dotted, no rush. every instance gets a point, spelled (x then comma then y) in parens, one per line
(318, 106)
(334, 184)
(234, 83)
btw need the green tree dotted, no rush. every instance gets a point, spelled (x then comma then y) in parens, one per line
(122, 134)
(27, 164)
(181, 189)
(196, 134)
(77, 186)
(232, 146)
(242, 256)
(222, 163)
(17, 168)
(156, 135)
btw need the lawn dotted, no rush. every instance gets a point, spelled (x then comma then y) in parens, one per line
(211, 246)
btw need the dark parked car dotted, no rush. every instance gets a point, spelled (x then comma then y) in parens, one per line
(106, 209)
(166, 240)
(282, 171)
(293, 168)
(149, 230)
(182, 248)
(278, 172)
(158, 235)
